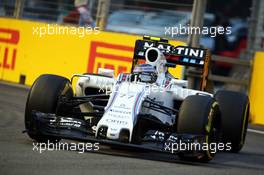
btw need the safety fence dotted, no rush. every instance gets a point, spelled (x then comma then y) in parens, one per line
(128, 16)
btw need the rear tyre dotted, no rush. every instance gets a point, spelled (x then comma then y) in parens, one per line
(199, 115)
(234, 107)
(43, 97)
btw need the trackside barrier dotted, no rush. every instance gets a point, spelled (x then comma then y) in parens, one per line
(24, 55)
(256, 89)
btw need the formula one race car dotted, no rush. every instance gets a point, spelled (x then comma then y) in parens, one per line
(146, 109)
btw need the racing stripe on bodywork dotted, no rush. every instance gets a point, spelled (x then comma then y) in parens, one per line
(113, 99)
(136, 106)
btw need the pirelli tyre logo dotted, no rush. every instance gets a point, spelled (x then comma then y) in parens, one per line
(8, 48)
(110, 56)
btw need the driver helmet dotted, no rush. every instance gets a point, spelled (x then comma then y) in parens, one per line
(145, 73)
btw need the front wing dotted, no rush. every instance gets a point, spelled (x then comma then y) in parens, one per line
(79, 130)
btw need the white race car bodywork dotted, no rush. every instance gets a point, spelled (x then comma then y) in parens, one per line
(126, 99)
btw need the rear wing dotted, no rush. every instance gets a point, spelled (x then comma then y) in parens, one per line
(179, 55)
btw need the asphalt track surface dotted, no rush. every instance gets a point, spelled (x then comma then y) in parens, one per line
(17, 155)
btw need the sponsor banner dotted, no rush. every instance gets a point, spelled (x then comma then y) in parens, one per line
(25, 54)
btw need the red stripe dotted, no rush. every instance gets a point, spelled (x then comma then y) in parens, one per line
(115, 57)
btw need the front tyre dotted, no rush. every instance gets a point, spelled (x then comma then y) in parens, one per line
(199, 115)
(43, 97)
(234, 107)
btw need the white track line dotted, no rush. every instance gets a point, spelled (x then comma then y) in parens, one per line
(255, 131)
